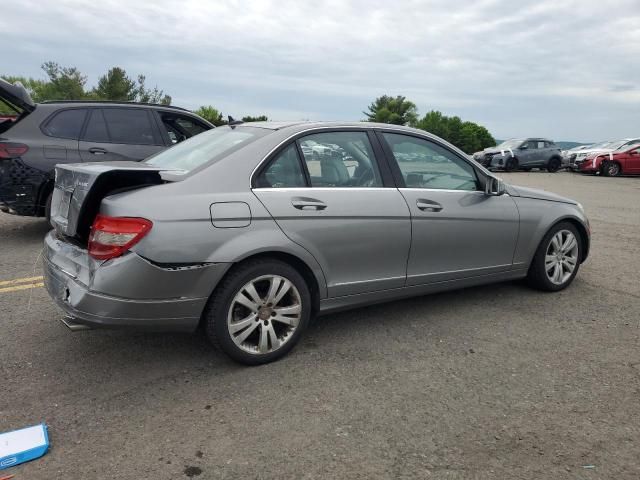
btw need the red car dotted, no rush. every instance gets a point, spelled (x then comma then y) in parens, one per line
(612, 164)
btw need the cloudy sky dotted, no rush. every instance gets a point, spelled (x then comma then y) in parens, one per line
(567, 69)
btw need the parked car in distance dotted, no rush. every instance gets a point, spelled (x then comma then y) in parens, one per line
(523, 153)
(625, 161)
(571, 153)
(604, 147)
(243, 231)
(46, 134)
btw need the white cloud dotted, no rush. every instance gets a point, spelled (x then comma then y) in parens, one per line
(567, 69)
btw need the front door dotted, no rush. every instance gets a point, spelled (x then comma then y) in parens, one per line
(336, 205)
(117, 133)
(631, 162)
(457, 231)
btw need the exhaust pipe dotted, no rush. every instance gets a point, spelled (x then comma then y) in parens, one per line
(72, 325)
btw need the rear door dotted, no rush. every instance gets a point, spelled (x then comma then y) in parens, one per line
(342, 207)
(457, 230)
(120, 133)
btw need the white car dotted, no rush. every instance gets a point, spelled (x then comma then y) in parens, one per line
(603, 147)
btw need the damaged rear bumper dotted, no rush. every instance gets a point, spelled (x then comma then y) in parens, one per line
(126, 292)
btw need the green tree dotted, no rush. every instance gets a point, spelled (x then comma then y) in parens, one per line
(260, 118)
(467, 136)
(396, 110)
(115, 85)
(65, 83)
(150, 95)
(212, 114)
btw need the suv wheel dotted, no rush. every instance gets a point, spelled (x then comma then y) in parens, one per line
(557, 259)
(554, 165)
(259, 312)
(511, 165)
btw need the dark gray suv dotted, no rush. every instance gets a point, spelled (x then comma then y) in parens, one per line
(50, 133)
(521, 153)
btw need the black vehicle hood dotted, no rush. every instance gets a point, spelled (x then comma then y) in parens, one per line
(526, 192)
(16, 95)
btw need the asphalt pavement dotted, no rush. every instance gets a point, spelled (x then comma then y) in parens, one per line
(493, 382)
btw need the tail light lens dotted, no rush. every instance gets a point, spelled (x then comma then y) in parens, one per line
(110, 237)
(12, 150)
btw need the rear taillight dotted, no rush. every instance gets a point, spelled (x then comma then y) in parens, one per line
(12, 150)
(110, 237)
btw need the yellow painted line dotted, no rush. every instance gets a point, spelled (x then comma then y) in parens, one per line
(21, 280)
(21, 287)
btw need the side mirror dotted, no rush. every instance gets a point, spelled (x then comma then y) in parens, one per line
(524, 146)
(494, 187)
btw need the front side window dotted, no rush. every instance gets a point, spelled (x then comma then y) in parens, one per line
(340, 159)
(425, 164)
(284, 171)
(129, 126)
(179, 127)
(66, 124)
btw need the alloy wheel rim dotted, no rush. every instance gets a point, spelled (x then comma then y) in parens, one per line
(613, 169)
(561, 257)
(264, 314)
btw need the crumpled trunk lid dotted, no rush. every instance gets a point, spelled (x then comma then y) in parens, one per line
(80, 188)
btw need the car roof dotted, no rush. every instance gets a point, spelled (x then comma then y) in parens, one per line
(100, 103)
(301, 126)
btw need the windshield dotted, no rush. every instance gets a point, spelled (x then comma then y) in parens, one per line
(206, 147)
(513, 143)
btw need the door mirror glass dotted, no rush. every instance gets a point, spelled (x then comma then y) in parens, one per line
(524, 146)
(494, 186)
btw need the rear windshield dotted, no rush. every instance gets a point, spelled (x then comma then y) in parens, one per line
(206, 147)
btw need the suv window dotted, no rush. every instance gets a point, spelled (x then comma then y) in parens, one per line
(96, 130)
(284, 171)
(130, 126)
(340, 159)
(424, 164)
(66, 124)
(181, 127)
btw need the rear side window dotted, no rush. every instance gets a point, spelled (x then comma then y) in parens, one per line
(96, 128)
(180, 127)
(284, 171)
(130, 126)
(66, 124)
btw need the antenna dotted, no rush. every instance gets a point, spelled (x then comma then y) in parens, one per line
(233, 122)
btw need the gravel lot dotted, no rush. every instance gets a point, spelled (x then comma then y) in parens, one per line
(493, 382)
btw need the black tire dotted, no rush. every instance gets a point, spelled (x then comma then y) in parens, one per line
(217, 310)
(511, 164)
(611, 169)
(537, 276)
(554, 165)
(47, 208)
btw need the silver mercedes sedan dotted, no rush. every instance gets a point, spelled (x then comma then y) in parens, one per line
(251, 230)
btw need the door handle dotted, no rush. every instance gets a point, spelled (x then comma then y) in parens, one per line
(97, 151)
(428, 205)
(304, 203)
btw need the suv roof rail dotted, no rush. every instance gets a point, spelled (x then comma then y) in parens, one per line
(117, 102)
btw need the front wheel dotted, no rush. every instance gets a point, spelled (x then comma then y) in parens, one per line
(557, 259)
(610, 169)
(259, 312)
(511, 165)
(554, 165)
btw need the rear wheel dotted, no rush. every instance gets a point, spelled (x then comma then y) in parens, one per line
(47, 207)
(557, 259)
(553, 165)
(259, 312)
(611, 169)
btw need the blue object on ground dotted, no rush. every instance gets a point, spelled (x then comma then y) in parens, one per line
(23, 445)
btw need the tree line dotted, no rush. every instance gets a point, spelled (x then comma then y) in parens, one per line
(68, 83)
(467, 136)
